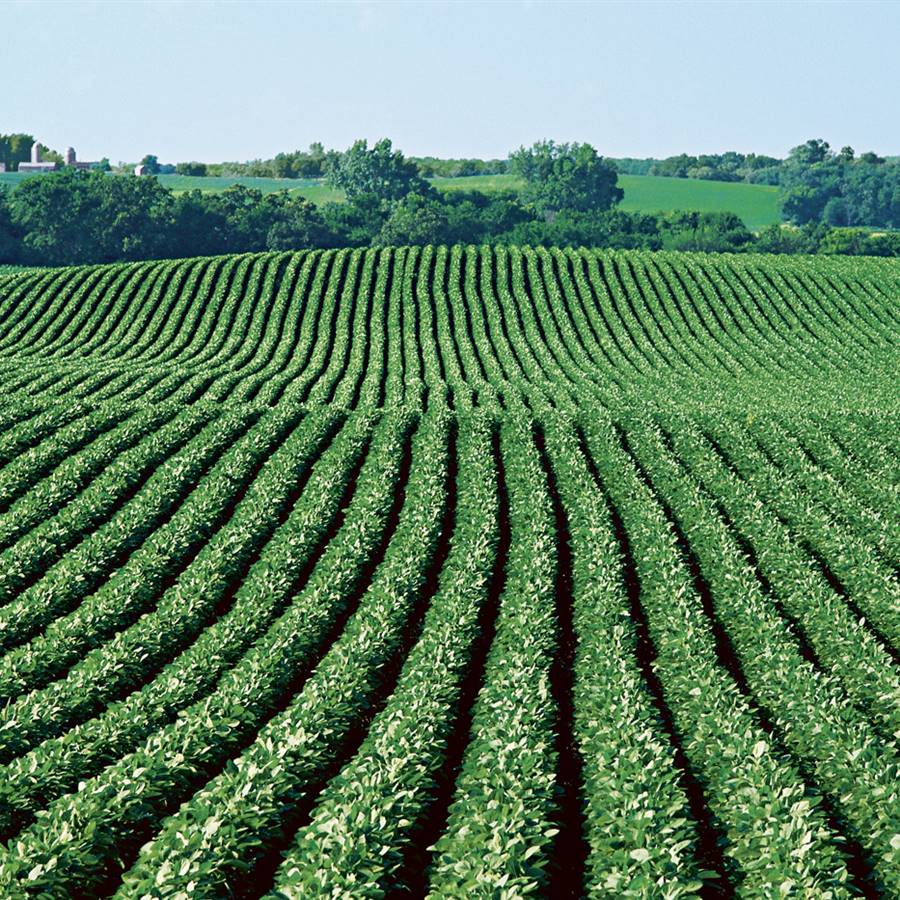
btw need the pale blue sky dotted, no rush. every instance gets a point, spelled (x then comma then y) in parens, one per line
(215, 81)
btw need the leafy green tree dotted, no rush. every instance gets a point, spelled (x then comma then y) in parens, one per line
(839, 189)
(48, 155)
(197, 169)
(301, 226)
(248, 215)
(356, 222)
(415, 220)
(612, 228)
(74, 216)
(474, 217)
(718, 232)
(786, 239)
(15, 148)
(10, 246)
(811, 152)
(303, 164)
(151, 164)
(836, 212)
(805, 203)
(565, 176)
(846, 155)
(200, 229)
(380, 171)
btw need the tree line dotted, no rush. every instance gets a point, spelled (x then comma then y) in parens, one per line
(817, 184)
(568, 197)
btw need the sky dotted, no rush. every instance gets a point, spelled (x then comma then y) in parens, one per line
(216, 81)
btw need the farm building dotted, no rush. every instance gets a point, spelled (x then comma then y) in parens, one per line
(39, 165)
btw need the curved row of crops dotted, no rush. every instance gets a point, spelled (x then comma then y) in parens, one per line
(461, 327)
(450, 571)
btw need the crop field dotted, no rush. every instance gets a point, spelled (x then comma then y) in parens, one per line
(451, 572)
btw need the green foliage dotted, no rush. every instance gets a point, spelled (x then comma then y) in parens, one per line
(382, 171)
(840, 189)
(565, 177)
(15, 148)
(415, 220)
(193, 169)
(432, 167)
(367, 820)
(151, 164)
(709, 232)
(500, 826)
(75, 216)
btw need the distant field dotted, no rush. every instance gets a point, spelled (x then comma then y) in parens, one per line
(756, 204)
(309, 187)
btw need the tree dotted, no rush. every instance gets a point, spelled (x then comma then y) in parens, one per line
(303, 164)
(474, 217)
(73, 216)
(415, 220)
(612, 228)
(15, 148)
(48, 155)
(785, 239)
(836, 212)
(301, 226)
(150, 164)
(565, 176)
(200, 229)
(191, 168)
(810, 178)
(382, 171)
(840, 189)
(357, 222)
(10, 247)
(709, 231)
(813, 151)
(248, 215)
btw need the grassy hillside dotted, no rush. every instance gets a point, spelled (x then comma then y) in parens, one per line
(757, 205)
(429, 571)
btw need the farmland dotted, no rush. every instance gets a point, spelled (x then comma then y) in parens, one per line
(757, 205)
(460, 571)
